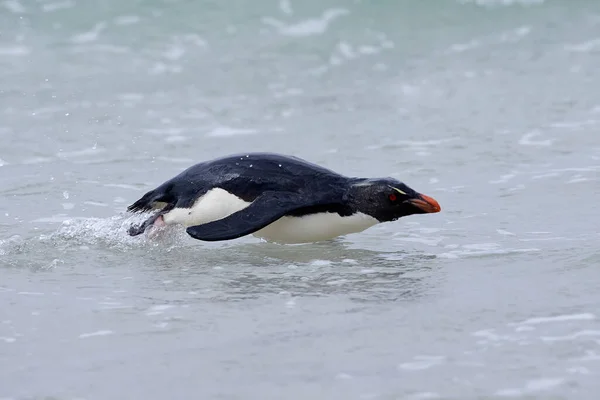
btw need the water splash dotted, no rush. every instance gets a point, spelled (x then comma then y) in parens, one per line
(112, 232)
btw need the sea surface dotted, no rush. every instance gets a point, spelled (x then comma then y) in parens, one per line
(491, 107)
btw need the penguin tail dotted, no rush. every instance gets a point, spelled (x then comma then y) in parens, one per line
(154, 199)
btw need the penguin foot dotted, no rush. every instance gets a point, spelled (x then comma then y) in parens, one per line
(155, 228)
(156, 221)
(135, 230)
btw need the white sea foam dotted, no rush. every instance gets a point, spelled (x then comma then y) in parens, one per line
(14, 6)
(225, 131)
(482, 250)
(505, 233)
(308, 27)
(590, 355)
(320, 263)
(424, 396)
(573, 336)
(578, 370)
(15, 50)
(533, 386)
(193, 38)
(491, 3)
(504, 178)
(574, 124)
(80, 153)
(584, 47)
(556, 318)
(462, 47)
(158, 309)
(100, 48)
(286, 7)
(489, 335)
(90, 36)
(514, 35)
(510, 36)
(176, 160)
(96, 333)
(414, 145)
(578, 179)
(52, 219)
(174, 52)
(176, 139)
(346, 51)
(60, 5)
(430, 241)
(127, 20)
(547, 175)
(526, 140)
(121, 186)
(95, 203)
(421, 363)
(160, 68)
(544, 239)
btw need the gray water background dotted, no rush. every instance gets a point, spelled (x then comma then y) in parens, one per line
(491, 107)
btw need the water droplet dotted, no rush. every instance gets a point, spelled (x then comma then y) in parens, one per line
(66, 194)
(67, 114)
(250, 165)
(279, 165)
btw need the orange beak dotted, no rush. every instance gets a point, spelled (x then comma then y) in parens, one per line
(426, 203)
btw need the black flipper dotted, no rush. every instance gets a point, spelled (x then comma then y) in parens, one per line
(267, 208)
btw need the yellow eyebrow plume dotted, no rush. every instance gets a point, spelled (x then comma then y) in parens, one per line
(398, 190)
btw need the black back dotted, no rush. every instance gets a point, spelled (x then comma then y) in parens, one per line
(248, 175)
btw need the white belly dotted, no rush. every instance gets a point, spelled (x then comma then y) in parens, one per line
(215, 204)
(218, 203)
(314, 227)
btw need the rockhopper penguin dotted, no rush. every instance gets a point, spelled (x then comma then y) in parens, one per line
(279, 198)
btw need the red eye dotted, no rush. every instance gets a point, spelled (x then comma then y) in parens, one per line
(392, 197)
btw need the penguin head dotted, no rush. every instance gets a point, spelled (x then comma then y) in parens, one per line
(388, 199)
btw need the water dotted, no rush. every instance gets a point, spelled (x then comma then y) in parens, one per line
(490, 106)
